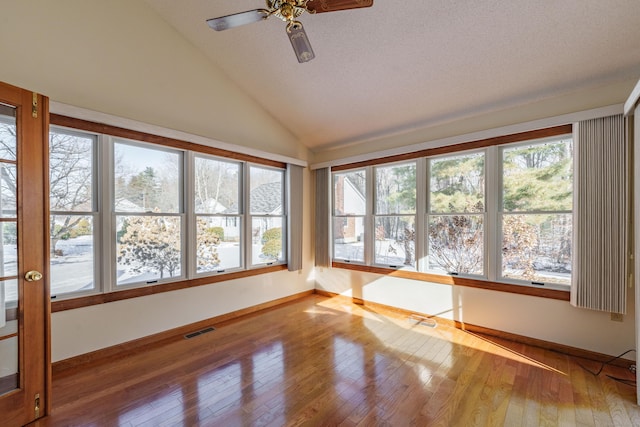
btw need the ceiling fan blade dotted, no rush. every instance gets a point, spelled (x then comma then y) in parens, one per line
(300, 42)
(237, 19)
(319, 6)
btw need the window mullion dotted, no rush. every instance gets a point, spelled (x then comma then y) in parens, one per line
(248, 220)
(188, 208)
(493, 233)
(107, 215)
(422, 195)
(369, 218)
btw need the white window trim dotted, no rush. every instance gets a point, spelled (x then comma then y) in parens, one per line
(367, 224)
(427, 213)
(375, 215)
(192, 248)
(96, 202)
(248, 223)
(498, 218)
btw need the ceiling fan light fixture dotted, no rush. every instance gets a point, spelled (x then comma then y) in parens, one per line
(300, 42)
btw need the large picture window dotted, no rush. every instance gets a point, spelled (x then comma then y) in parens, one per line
(127, 213)
(499, 212)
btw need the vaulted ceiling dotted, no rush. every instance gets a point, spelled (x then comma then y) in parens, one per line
(405, 65)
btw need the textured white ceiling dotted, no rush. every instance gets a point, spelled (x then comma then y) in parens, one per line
(404, 65)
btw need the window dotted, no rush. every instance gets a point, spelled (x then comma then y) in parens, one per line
(127, 214)
(349, 208)
(8, 211)
(266, 207)
(395, 215)
(456, 214)
(148, 213)
(73, 210)
(497, 212)
(536, 212)
(218, 219)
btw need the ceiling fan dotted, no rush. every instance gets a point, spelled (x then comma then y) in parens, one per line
(288, 11)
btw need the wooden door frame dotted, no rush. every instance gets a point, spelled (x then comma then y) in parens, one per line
(32, 122)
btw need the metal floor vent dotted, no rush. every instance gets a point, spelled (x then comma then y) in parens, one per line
(424, 321)
(200, 332)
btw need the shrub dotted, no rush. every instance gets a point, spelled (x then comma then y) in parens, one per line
(272, 248)
(218, 231)
(272, 234)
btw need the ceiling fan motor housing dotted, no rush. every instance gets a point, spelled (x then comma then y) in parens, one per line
(287, 10)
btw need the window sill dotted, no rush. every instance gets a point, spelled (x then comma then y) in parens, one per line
(86, 301)
(458, 281)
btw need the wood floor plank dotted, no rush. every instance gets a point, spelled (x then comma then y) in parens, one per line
(322, 361)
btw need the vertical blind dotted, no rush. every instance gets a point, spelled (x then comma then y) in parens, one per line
(323, 201)
(294, 219)
(601, 222)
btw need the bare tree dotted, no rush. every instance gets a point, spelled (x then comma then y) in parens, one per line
(456, 243)
(70, 177)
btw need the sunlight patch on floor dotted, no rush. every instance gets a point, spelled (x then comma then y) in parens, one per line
(408, 323)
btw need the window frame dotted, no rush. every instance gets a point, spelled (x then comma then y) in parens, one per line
(95, 213)
(367, 252)
(377, 215)
(484, 214)
(492, 234)
(500, 214)
(239, 216)
(250, 216)
(181, 214)
(106, 289)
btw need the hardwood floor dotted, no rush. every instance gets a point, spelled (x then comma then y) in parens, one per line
(326, 362)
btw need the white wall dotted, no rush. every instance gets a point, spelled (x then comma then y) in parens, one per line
(535, 317)
(91, 328)
(119, 57)
(552, 106)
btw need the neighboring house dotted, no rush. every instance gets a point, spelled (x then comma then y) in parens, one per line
(266, 208)
(211, 206)
(230, 223)
(265, 200)
(348, 201)
(126, 205)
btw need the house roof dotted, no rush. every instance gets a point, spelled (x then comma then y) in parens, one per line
(264, 199)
